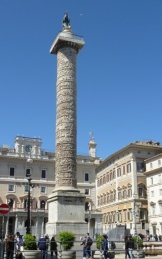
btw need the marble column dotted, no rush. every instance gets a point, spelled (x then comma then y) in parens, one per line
(66, 203)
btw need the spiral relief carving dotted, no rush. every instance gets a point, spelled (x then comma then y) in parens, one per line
(65, 167)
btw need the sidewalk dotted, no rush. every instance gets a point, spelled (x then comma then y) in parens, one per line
(122, 256)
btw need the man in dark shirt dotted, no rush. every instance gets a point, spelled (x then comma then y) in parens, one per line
(130, 246)
(42, 246)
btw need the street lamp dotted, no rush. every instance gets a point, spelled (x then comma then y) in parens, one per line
(134, 214)
(28, 175)
(89, 218)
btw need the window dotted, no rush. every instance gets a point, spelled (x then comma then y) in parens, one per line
(118, 172)
(11, 188)
(98, 183)
(12, 171)
(86, 191)
(111, 176)
(124, 194)
(43, 189)
(114, 174)
(140, 191)
(142, 214)
(160, 207)
(119, 195)
(160, 192)
(43, 173)
(26, 188)
(159, 162)
(130, 192)
(143, 225)
(86, 178)
(125, 215)
(42, 204)
(123, 169)
(140, 167)
(153, 210)
(152, 193)
(159, 178)
(130, 214)
(28, 172)
(129, 168)
(150, 165)
(151, 180)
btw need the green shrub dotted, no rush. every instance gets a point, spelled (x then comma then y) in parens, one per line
(98, 241)
(30, 242)
(139, 241)
(67, 239)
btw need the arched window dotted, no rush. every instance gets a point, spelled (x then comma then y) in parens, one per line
(124, 194)
(25, 203)
(42, 204)
(86, 205)
(104, 198)
(10, 203)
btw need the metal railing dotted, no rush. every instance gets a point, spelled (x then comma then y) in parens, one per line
(149, 248)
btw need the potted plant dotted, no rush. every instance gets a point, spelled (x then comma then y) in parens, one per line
(138, 246)
(67, 238)
(30, 247)
(97, 254)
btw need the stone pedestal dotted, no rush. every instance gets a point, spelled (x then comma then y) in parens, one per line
(66, 213)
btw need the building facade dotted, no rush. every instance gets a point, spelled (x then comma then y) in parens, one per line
(14, 169)
(154, 192)
(121, 187)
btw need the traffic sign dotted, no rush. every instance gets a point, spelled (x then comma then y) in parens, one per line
(4, 209)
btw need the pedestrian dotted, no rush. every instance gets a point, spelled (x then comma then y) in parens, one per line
(10, 247)
(130, 246)
(88, 246)
(126, 250)
(83, 244)
(19, 240)
(42, 246)
(156, 237)
(105, 246)
(47, 244)
(53, 246)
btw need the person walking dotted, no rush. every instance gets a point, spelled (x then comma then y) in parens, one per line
(88, 246)
(19, 240)
(42, 246)
(83, 244)
(10, 246)
(126, 250)
(53, 246)
(105, 246)
(130, 246)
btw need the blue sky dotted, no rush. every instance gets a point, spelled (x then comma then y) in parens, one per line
(119, 71)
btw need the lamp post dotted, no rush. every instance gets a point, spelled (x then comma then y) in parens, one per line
(134, 214)
(30, 161)
(89, 220)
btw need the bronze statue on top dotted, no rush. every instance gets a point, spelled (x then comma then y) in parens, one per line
(66, 21)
